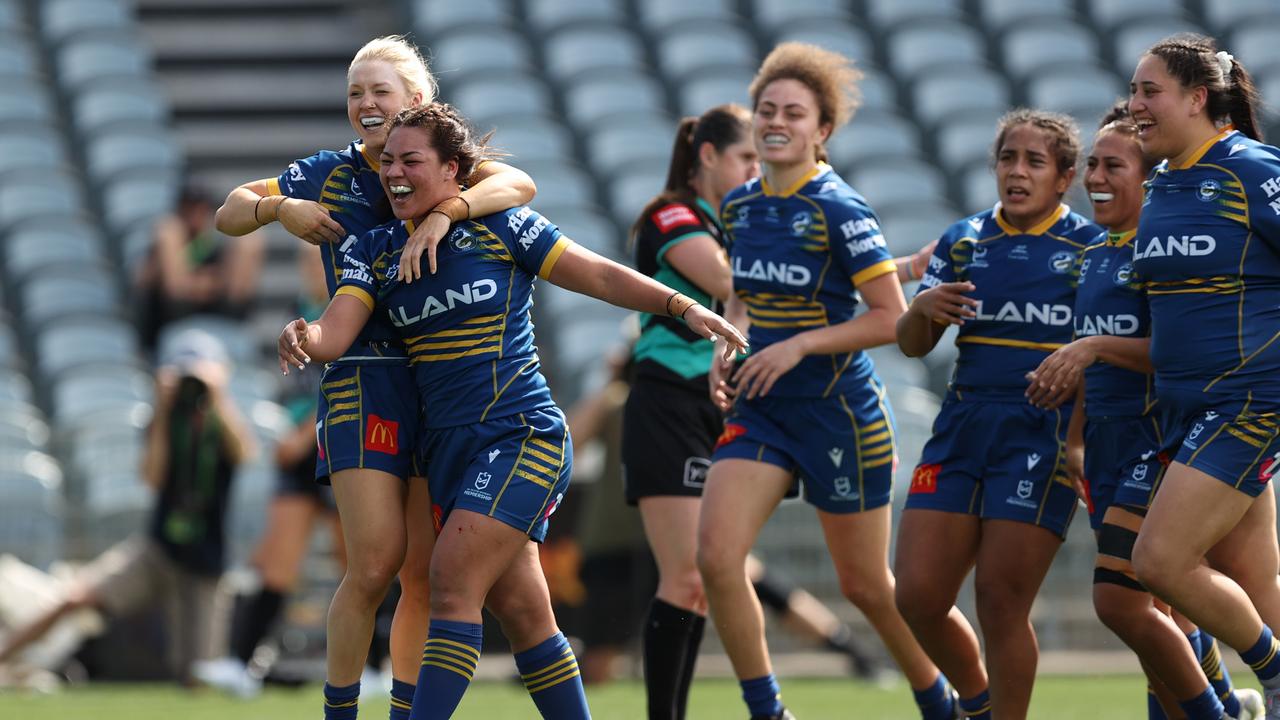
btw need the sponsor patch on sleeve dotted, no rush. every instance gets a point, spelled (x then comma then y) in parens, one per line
(673, 216)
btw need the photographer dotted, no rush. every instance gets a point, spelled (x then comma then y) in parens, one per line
(194, 444)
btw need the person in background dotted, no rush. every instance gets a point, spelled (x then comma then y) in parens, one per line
(193, 446)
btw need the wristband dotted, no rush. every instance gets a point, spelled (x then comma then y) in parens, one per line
(449, 214)
(447, 218)
(255, 209)
(678, 304)
(911, 272)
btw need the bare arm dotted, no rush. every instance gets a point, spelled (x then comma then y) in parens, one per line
(885, 304)
(251, 206)
(703, 262)
(327, 338)
(911, 267)
(932, 310)
(1058, 376)
(1075, 447)
(494, 187)
(583, 271)
(155, 456)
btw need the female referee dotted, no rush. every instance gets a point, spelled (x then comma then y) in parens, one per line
(367, 424)
(803, 246)
(1208, 247)
(495, 445)
(991, 488)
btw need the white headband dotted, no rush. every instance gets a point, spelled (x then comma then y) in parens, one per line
(1224, 63)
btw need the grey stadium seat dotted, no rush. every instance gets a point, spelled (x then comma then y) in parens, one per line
(26, 100)
(660, 15)
(137, 149)
(773, 15)
(18, 56)
(1083, 92)
(75, 344)
(873, 135)
(31, 516)
(907, 230)
(11, 16)
(1225, 17)
(118, 103)
(618, 147)
(440, 18)
(494, 94)
(706, 90)
(69, 291)
(15, 387)
(1258, 47)
(118, 391)
(30, 150)
(550, 15)
(893, 182)
(560, 183)
(687, 52)
(842, 37)
(55, 194)
(94, 58)
(966, 139)
(592, 99)
(1034, 45)
(585, 226)
(629, 194)
(64, 19)
(944, 94)
(481, 49)
(138, 199)
(530, 138)
(1003, 14)
(878, 91)
(1109, 15)
(582, 49)
(885, 14)
(979, 188)
(917, 47)
(1131, 41)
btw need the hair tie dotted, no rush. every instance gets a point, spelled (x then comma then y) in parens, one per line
(1224, 63)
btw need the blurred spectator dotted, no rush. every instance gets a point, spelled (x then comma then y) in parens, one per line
(194, 444)
(193, 269)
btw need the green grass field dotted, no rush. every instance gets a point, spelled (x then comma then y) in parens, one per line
(1056, 698)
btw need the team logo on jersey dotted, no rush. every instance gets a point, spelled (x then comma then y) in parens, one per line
(482, 480)
(1209, 190)
(979, 257)
(1084, 267)
(1124, 274)
(1195, 433)
(382, 435)
(355, 188)
(924, 481)
(744, 216)
(461, 240)
(1025, 487)
(844, 487)
(801, 223)
(1062, 261)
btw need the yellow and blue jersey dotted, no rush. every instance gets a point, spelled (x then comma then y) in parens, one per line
(1025, 285)
(467, 329)
(1110, 301)
(798, 255)
(1208, 250)
(346, 183)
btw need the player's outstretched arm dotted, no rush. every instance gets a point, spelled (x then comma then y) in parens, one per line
(921, 326)
(583, 271)
(325, 339)
(251, 206)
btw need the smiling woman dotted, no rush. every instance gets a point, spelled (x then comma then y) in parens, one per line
(493, 443)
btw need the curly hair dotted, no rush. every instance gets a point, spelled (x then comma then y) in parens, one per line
(831, 76)
(1062, 131)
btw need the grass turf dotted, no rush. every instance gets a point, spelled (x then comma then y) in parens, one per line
(1056, 698)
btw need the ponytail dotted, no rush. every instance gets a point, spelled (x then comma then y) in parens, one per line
(1242, 101)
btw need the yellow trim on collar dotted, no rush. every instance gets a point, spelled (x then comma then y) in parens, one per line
(795, 187)
(1039, 228)
(1200, 151)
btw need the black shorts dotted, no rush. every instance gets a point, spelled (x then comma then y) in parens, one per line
(668, 432)
(300, 481)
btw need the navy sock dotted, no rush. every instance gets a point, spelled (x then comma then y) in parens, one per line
(550, 674)
(762, 695)
(1154, 710)
(935, 702)
(449, 662)
(1264, 658)
(341, 703)
(401, 699)
(1205, 706)
(978, 706)
(1210, 658)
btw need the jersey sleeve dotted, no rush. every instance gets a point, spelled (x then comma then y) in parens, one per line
(941, 268)
(358, 278)
(858, 243)
(673, 223)
(1262, 188)
(534, 242)
(303, 179)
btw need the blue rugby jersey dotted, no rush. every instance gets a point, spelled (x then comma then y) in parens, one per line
(1110, 301)
(1025, 284)
(798, 256)
(467, 328)
(1208, 249)
(346, 183)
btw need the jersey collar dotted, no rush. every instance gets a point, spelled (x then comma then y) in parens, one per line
(795, 187)
(1122, 238)
(369, 157)
(1200, 151)
(1040, 228)
(411, 226)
